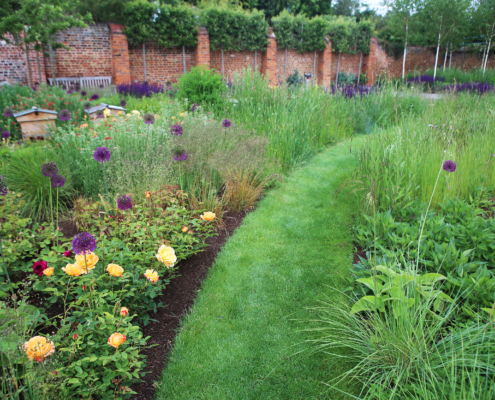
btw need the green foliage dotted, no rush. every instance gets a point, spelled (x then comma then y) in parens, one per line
(139, 23)
(364, 34)
(283, 25)
(202, 86)
(294, 79)
(177, 26)
(343, 33)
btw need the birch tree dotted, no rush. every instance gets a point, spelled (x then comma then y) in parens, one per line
(484, 19)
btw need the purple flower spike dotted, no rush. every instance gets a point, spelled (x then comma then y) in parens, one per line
(84, 243)
(176, 130)
(3, 186)
(57, 181)
(449, 166)
(124, 202)
(8, 112)
(5, 134)
(64, 115)
(101, 154)
(226, 123)
(149, 118)
(49, 169)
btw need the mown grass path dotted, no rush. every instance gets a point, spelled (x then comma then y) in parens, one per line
(240, 339)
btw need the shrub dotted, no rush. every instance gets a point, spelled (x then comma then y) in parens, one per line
(203, 86)
(294, 79)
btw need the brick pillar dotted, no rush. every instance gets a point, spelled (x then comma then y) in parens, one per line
(269, 59)
(202, 52)
(324, 70)
(121, 71)
(370, 62)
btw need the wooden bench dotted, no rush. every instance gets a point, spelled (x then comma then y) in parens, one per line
(89, 82)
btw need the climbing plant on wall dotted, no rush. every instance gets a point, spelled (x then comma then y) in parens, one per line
(364, 33)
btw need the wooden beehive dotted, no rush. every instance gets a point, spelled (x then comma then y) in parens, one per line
(36, 122)
(93, 111)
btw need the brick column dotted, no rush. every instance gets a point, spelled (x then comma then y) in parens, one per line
(370, 62)
(269, 59)
(202, 52)
(324, 70)
(121, 71)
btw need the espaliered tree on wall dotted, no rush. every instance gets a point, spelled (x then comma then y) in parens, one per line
(235, 29)
(342, 31)
(283, 26)
(364, 33)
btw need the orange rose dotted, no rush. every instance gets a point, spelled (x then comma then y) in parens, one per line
(147, 194)
(38, 348)
(116, 339)
(90, 263)
(152, 275)
(72, 269)
(48, 271)
(115, 270)
(208, 216)
(124, 311)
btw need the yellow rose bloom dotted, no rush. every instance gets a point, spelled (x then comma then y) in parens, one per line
(120, 113)
(115, 270)
(116, 339)
(72, 269)
(106, 112)
(135, 112)
(124, 311)
(208, 216)
(166, 255)
(91, 260)
(38, 348)
(49, 271)
(152, 275)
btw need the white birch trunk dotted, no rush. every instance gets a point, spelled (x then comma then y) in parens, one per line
(483, 58)
(445, 59)
(359, 72)
(405, 52)
(450, 60)
(338, 67)
(184, 58)
(487, 54)
(436, 57)
(144, 63)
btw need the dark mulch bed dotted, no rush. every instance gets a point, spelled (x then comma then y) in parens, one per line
(179, 296)
(358, 252)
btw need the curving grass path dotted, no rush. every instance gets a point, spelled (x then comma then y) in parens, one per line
(240, 338)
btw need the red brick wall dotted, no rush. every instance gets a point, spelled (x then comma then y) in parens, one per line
(303, 62)
(13, 64)
(121, 71)
(234, 61)
(162, 64)
(90, 53)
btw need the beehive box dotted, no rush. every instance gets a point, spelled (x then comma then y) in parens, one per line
(95, 111)
(36, 122)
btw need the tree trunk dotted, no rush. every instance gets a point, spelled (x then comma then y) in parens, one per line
(255, 60)
(30, 74)
(359, 72)
(450, 61)
(487, 54)
(483, 58)
(436, 57)
(184, 58)
(223, 68)
(52, 62)
(145, 75)
(314, 66)
(338, 67)
(39, 65)
(285, 65)
(405, 52)
(445, 59)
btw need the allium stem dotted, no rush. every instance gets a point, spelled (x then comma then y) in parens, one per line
(4, 264)
(106, 186)
(51, 203)
(57, 217)
(91, 287)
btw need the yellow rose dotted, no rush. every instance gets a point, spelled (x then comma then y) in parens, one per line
(38, 348)
(72, 269)
(115, 270)
(91, 260)
(124, 311)
(120, 113)
(136, 112)
(152, 275)
(208, 216)
(166, 255)
(116, 339)
(49, 271)
(106, 112)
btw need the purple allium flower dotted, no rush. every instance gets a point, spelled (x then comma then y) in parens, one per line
(176, 130)
(124, 202)
(123, 102)
(64, 115)
(101, 154)
(34, 88)
(87, 105)
(8, 112)
(83, 243)
(149, 118)
(100, 114)
(70, 91)
(3, 186)
(194, 107)
(5, 134)
(179, 153)
(226, 123)
(96, 96)
(449, 166)
(83, 93)
(49, 169)
(57, 181)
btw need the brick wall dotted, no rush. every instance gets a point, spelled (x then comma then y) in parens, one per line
(303, 62)
(162, 64)
(234, 61)
(13, 64)
(90, 53)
